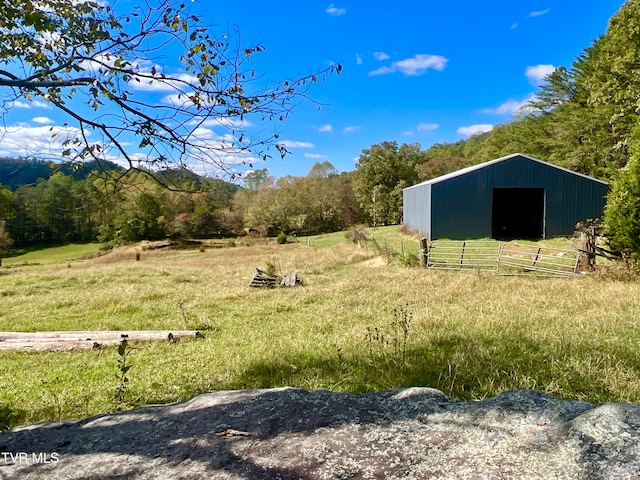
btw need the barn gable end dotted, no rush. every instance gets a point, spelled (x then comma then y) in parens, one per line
(515, 196)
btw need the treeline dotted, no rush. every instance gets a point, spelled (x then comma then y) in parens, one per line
(115, 206)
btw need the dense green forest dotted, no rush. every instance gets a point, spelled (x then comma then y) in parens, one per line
(584, 118)
(53, 204)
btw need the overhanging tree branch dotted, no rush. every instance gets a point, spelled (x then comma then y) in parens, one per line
(92, 64)
(35, 84)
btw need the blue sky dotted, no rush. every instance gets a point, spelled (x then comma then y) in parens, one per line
(413, 71)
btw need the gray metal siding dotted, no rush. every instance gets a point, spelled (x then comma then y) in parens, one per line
(460, 206)
(417, 209)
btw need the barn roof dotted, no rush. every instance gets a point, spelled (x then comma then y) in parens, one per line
(473, 168)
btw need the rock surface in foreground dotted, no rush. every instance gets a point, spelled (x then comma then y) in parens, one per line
(287, 433)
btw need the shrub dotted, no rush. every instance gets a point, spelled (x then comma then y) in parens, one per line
(622, 213)
(282, 238)
(358, 235)
(409, 231)
(411, 259)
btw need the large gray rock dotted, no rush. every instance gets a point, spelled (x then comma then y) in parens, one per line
(289, 433)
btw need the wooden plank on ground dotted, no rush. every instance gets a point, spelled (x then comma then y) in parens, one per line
(83, 340)
(263, 279)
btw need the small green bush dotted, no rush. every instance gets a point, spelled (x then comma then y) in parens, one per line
(282, 238)
(411, 259)
(10, 417)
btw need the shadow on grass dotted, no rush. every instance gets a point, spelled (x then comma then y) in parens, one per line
(10, 417)
(461, 367)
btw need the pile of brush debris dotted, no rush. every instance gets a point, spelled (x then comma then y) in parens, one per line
(265, 279)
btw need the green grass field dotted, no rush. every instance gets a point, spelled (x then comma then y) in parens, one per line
(72, 252)
(359, 323)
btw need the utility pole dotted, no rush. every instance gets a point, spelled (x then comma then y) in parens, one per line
(373, 199)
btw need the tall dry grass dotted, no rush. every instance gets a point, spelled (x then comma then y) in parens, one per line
(471, 335)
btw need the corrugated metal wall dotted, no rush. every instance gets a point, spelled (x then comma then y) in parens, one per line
(460, 206)
(416, 208)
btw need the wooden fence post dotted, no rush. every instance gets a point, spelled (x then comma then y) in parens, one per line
(424, 251)
(588, 248)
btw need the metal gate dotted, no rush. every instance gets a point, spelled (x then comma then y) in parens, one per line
(507, 258)
(472, 255)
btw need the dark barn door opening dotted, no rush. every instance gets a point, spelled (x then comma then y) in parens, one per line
(517, 213)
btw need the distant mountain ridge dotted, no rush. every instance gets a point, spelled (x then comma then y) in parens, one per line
(17, 172)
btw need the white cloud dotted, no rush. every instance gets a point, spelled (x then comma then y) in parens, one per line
(204, 165)
(427, 127)
(421, 63)
(351, 129)
(47, 140)
(174, 82)
(335, 11)
(316, 156)
(509, 107)
(184, 99)
(25, 140)
(537, 73)
(203, 133)
(212, 150)
(475, 129)
(358, 59)
(381, 56)
(381, 71)
(19, 104)
(414, 66)
(28, 105)
(42, 120)
(325, 128)
(539, 13)
(294, 144)
(105, 60)
(422, 128)
(177, 100)
(232, 123)
(514, 26)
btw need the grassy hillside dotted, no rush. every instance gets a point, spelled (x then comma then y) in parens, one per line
(357, 324)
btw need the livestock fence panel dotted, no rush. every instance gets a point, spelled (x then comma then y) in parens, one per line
(518, 258)
(468, 255)
(508, 258)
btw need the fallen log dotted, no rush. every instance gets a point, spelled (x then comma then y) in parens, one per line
(83, 340)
